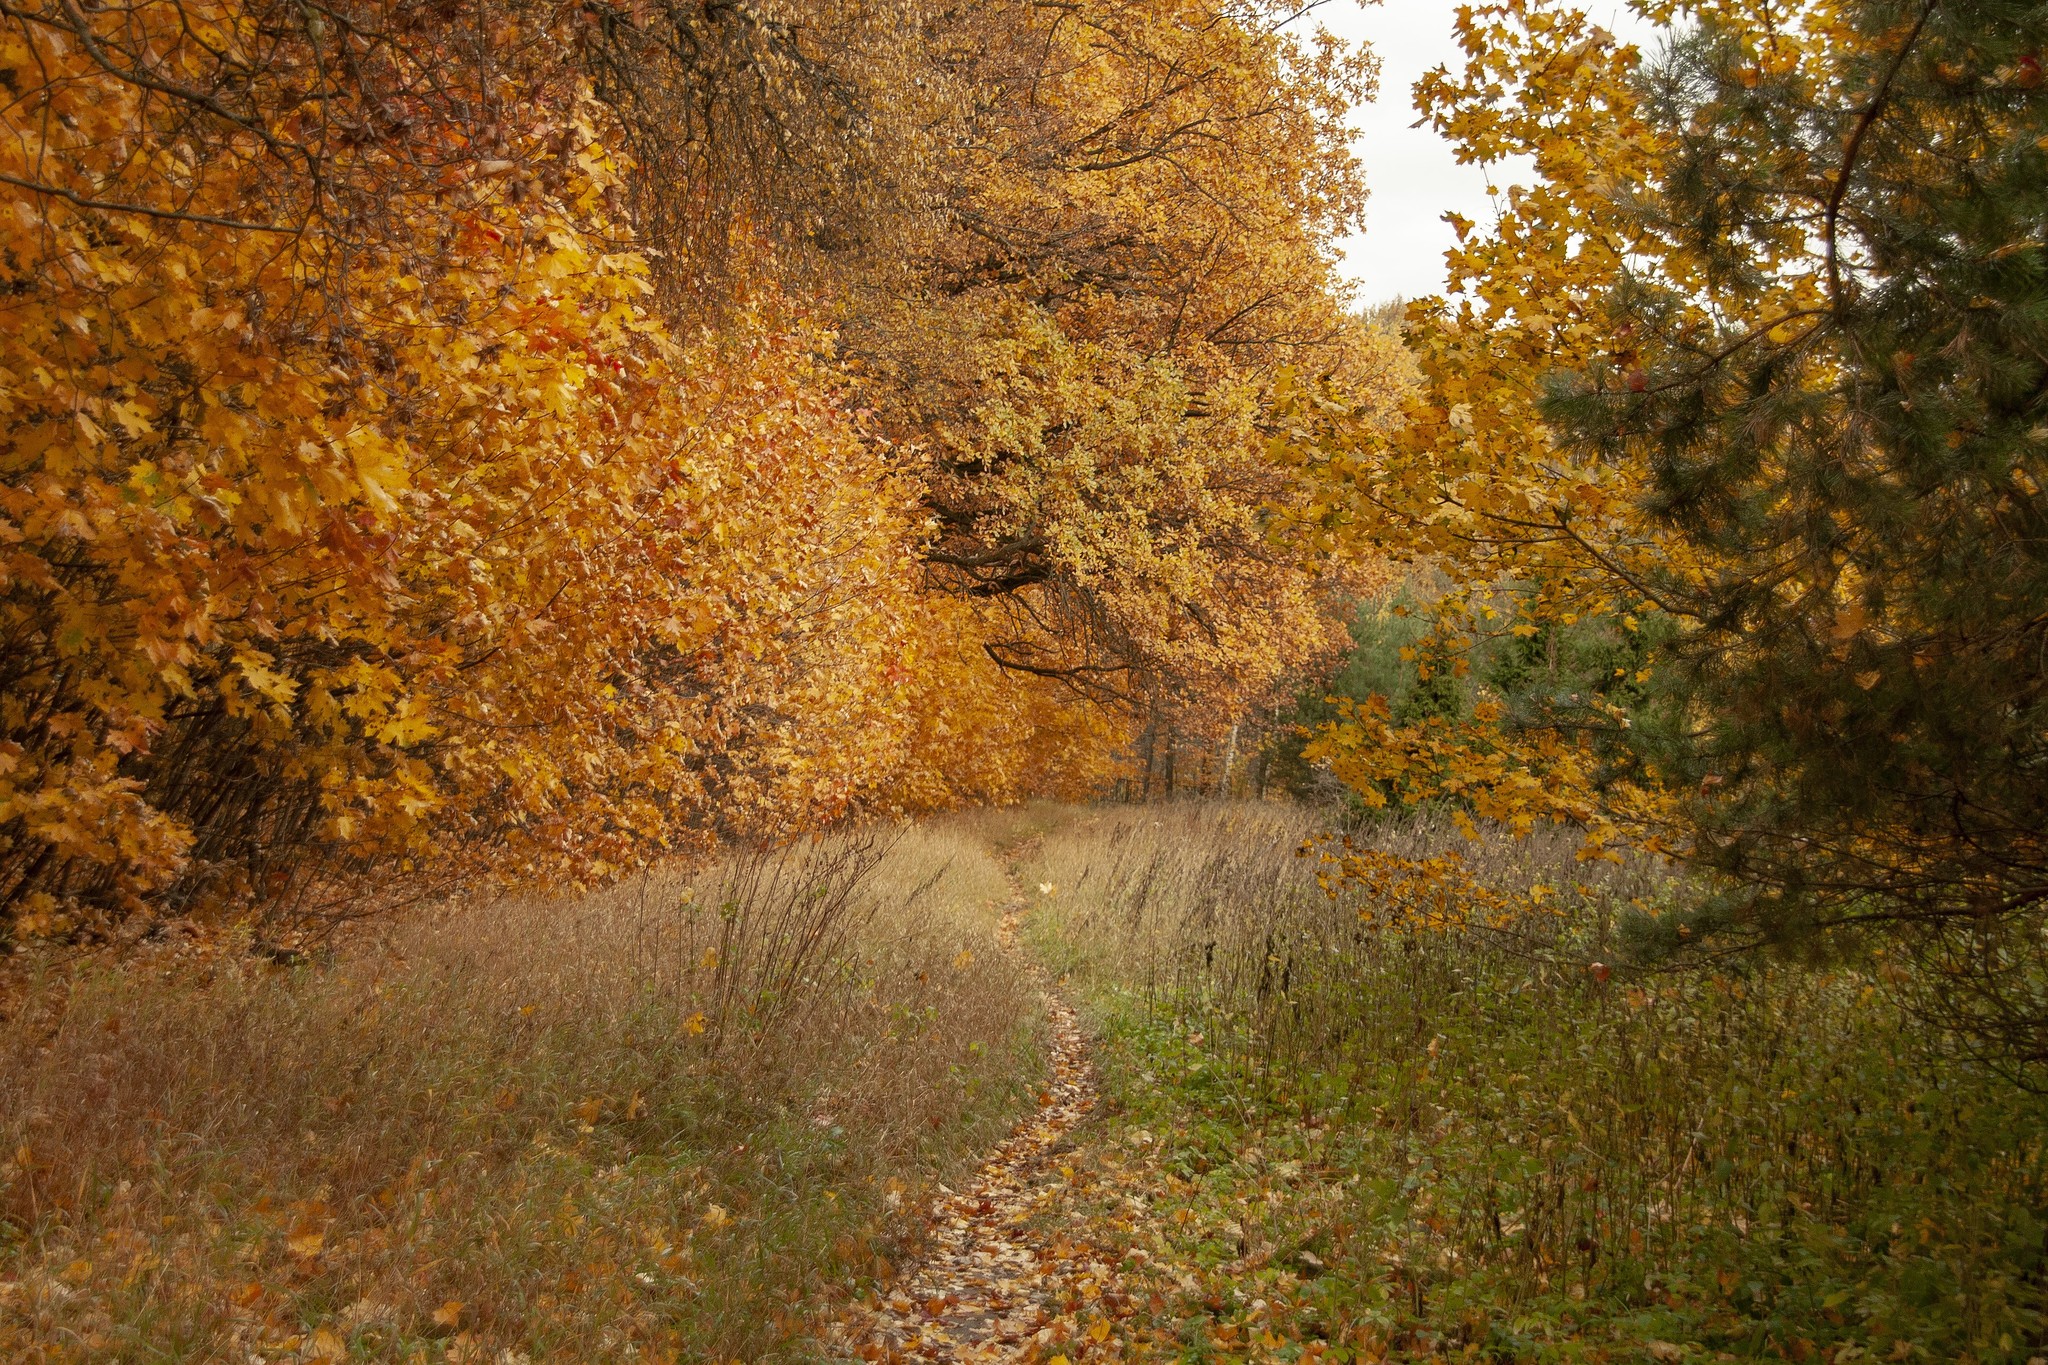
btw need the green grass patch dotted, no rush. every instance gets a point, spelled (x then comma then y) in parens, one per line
(1450, 1147)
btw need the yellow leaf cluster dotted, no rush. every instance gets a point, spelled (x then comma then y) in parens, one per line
(1468, 479)
(372, 514)
(373, 521)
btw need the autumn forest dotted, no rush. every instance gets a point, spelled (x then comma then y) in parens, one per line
(803, 680)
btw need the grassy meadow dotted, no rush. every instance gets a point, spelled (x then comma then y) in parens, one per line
(687, 1118)
(668, 1122)
(1365, 1144)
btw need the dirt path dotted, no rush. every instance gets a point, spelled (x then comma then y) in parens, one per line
(987, 1286)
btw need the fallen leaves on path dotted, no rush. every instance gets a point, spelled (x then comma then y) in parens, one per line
(991, 1284)
(1080, 1248)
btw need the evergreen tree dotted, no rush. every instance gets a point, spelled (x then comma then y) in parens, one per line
(1837, 371)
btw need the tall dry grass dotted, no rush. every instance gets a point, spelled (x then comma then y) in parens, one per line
(657, 1123)
(1219, 902)
(1758, 1153)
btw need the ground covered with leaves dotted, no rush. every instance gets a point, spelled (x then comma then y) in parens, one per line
(1214, 1224)
(1174, 1103)
(1322, 1143)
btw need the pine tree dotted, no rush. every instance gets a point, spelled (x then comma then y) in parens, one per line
(1836, 370)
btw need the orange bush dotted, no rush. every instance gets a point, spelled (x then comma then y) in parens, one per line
(359, 514)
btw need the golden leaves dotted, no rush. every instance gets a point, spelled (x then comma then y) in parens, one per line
(989, 1279)
(424, 548)
(1128, 265)
(1471, 481)
(497, 573)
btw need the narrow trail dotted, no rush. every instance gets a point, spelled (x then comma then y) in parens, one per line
(987, 1285)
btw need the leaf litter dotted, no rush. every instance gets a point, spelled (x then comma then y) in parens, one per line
(992, 1286)
(1077, 1247)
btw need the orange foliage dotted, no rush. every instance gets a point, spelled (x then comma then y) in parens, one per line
(1468, 480)
(328, 552)
(976, 736)
(366, 520)
(1135, 243)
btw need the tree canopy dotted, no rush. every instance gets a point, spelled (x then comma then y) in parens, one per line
(1757, 357)
(520, 439)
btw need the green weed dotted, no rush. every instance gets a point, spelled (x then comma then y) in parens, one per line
(1477, 1146)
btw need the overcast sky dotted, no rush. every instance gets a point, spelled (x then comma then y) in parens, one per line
(1410, 171)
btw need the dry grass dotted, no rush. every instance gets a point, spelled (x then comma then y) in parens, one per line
(653, 1124)
(1193, 898)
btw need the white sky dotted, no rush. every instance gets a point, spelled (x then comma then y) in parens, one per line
(1410, 172)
